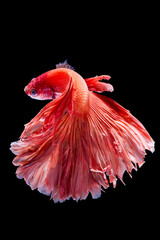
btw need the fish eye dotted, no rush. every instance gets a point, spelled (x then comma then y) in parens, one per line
(33, 92)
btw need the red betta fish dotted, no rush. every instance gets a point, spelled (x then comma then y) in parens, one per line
(80, 141)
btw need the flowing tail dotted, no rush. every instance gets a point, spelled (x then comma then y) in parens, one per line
(64, 155)
(118, 139)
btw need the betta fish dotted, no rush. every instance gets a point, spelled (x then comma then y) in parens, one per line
(81, 141)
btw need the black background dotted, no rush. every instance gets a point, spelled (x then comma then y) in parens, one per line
(121, 45)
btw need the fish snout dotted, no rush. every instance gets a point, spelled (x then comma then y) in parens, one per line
(26, 89)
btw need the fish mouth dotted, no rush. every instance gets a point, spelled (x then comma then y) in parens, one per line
(26, 90)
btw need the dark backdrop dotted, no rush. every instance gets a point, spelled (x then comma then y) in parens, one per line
(125, 51)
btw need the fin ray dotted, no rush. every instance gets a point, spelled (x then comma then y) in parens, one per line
(120, 138)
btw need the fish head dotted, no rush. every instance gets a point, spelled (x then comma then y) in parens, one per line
(37, 89)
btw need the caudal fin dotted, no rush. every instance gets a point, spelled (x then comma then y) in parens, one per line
(118, 140)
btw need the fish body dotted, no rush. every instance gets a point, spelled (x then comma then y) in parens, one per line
(53, 83)
(79, 142)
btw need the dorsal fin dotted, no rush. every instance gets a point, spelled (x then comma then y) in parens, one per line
(64, 65)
